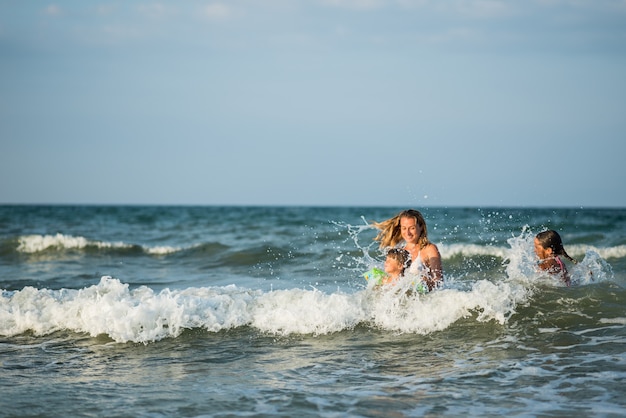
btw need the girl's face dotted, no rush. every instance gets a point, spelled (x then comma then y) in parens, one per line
(410, 230)
(541, 252)
(392, 266)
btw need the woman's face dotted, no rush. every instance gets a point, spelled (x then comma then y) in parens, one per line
(410, 230)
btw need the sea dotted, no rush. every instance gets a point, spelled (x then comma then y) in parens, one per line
(216, 311)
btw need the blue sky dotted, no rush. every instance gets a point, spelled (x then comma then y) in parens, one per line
(314, 102)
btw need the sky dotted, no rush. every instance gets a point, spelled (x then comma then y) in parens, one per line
(314, 102)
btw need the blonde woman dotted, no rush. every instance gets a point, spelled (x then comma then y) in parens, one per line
(408, 229)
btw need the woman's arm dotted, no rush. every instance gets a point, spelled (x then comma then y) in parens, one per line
(432, 260)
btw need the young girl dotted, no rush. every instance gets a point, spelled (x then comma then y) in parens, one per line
(396, 262)
(548, 247)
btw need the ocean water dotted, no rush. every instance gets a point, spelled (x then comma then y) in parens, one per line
(263, 311)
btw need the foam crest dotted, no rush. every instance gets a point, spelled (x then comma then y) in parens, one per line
(110, 308)
(618, 251)
(470, 250)
(388, 308)
(142, 315)
(592, 269)
(32, 244)
(299, 311)
(438, 310)
(162, 250)
(38, 243)
(617, 321)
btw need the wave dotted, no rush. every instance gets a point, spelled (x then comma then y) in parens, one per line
(142, 315)
(618, 251)
(471, 250)
(33, 244)
(576, 250)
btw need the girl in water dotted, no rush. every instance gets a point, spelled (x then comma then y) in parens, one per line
(397, 261)
(395, 264)
(548, 248)
(409, 228)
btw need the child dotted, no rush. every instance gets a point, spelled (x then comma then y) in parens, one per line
(548, 247)
(396, 262)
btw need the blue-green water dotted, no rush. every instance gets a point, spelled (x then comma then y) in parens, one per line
(253, 311)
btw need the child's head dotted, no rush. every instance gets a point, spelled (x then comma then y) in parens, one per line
(548, 244)
(397, 261)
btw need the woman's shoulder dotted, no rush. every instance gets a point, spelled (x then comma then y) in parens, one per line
(430, 250)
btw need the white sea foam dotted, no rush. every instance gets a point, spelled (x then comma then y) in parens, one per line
(31, 244)
(469, 250)
(578, 250)
(110, 308)
(38, 243)
(619, 321)
(306, 312)
(162, 250)
(142, 315)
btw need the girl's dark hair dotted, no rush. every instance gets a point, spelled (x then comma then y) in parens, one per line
(401, 256)
(552, 239)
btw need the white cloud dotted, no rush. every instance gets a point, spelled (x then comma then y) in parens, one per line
(154, 10)
(53, 10)
(118, 33)
(105, 9)
(356, 4)
(482, 8)
(217, 11)
(466, 8)
(451, 36)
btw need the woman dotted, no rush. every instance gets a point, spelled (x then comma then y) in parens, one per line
(409, 226)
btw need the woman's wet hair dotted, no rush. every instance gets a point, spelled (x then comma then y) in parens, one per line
(390, 233)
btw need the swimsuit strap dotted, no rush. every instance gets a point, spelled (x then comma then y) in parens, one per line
(558, 260)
